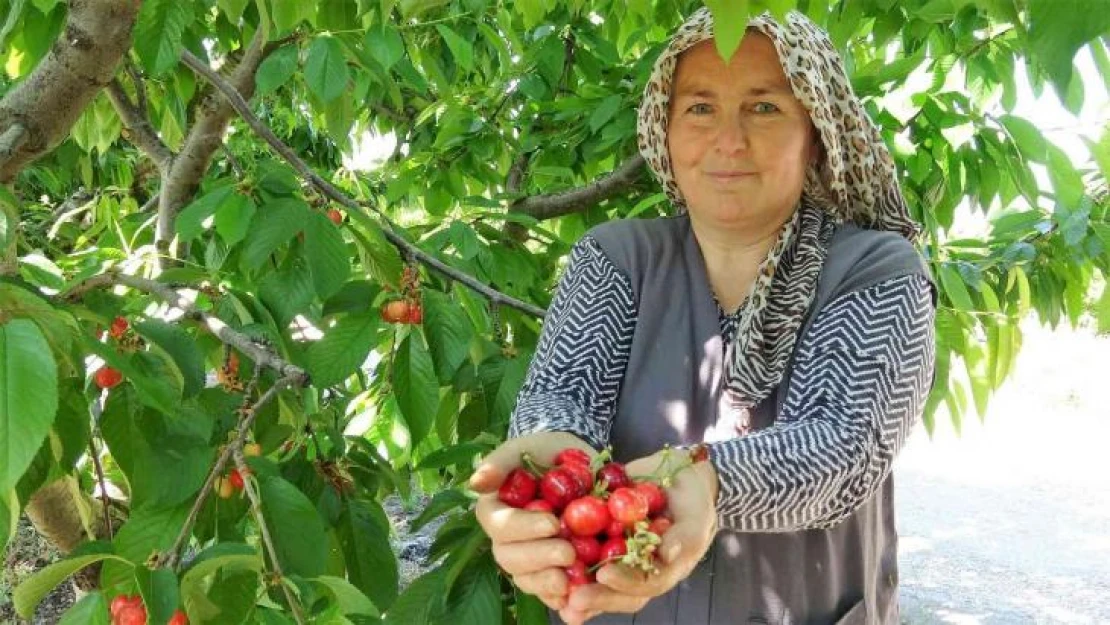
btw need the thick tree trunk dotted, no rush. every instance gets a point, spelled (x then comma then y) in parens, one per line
(59, 511)
(38, 114)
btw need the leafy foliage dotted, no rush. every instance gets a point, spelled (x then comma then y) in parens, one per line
(480, 105)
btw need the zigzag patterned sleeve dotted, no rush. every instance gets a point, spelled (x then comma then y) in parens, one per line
(575, 376)
(863, 372)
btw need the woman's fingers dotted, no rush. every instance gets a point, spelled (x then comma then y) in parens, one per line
(596, 598)
(506, 524)
(546, 583)
(533, 556)
(543, 446)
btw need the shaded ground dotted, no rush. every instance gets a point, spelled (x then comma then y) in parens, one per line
(1011, 522)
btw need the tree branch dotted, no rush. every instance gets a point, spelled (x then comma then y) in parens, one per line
(558, 204)
(141, 132)
(205, 137)
(261, 356)
(330, 191)
(96, 35)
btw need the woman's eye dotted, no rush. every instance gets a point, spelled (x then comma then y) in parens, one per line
(765, 107)
(700, 108)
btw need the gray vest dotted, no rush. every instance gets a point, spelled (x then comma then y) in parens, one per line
(847, 574)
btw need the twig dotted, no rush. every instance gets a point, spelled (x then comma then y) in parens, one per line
(330, 191)
(264, 529)
(170, 557)
(139, 128)
(558, 204)
(234, 162)
(94, 455)
(262, 357)
(140, 84)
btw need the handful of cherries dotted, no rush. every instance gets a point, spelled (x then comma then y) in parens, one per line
(606, 515)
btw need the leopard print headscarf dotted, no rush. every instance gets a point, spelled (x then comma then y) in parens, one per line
(855, 182)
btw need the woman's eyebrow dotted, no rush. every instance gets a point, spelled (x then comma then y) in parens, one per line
(697, 91)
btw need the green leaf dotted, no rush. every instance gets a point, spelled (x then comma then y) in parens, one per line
(1066, 181)
(532, 10)
(277, 69)
(146, 531)
(1030, 141)
(287, 14)
(230, 559)
(605, 112)
(529, 609)
(509, 387)
(955, 288)
(1057, 29)
(92, 609)
(364, 534)
(1102, 310)
(274, 225)
(9, 218)
(422, 600)
(442, 502)
(159, 32)
(296, 527)
(461, 49)
(26, 362)
(158, 589)
(730, 20)
(384, 260)
(936, 11)
(349, 599)
(463, 453)
(1101, 150)
(190, 222)
(414, 382)
(449, 333)
(28, 594)
(182, 347)
(385, 45)
(9, 518)
(476, 597)
(325, 69)
(233, 9)
(327, 255)
(343, 349)
(233, 218)
(354, 296)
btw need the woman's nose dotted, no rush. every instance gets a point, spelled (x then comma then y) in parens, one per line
(732, 136)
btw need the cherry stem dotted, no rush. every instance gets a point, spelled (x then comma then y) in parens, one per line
(530, 465)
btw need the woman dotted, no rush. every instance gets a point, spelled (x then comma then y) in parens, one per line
(783, 317)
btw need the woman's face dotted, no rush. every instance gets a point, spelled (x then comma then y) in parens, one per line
(739, 141)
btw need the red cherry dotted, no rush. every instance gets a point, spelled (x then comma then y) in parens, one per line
(628, 506)
(396, 311)
(416, 314)
(560, 487)
(236, 479)
(539, 505)
(656, 497)
(122, 601)
(572, 454)
(615, 475)
(660, 525)
(578, 574)
(178, 618)
(615, 529)
(587, 516)
(582, 472)
(612, 549)
(564, 529)
(132, 614)
(587, 548)
(335, 216)
(118, 328)
(107, 377)
(518, 489)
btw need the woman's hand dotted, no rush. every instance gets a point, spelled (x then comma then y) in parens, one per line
(525, 543)
(692, 501)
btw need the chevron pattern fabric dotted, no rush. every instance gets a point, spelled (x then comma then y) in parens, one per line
(574, 379)
(862, 373)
